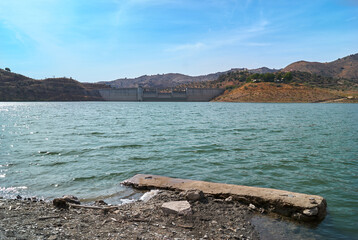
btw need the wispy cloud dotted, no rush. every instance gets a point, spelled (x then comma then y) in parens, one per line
(241, 36)
(187, 47)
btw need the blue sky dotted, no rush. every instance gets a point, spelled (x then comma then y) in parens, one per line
(94, 40)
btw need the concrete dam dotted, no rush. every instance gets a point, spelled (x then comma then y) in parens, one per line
(155, 95)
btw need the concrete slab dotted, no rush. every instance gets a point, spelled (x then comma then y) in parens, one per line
(294, 205)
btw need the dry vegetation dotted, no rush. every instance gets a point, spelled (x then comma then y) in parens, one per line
(16, 87)
(273, 92)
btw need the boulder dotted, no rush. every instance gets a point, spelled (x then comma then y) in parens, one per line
(177, 207)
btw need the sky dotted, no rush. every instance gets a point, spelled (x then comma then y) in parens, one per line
(99, 40)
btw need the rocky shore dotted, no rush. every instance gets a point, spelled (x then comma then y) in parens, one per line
(201, 217)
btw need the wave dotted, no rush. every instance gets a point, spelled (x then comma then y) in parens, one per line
(97, 177)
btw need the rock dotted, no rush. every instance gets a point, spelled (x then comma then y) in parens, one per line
(177, 207)
(100, 203)
(311, 211)
(18, 197)
(229, 199)
(52, 237)
(71, 199)
(60, 203)
(252, 206)
(194, 195)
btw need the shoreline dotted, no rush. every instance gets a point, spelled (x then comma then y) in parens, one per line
(210, 218)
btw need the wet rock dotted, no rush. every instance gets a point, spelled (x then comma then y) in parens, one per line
(311, 211)
(18, 197)
(194, 195)
(177, 207)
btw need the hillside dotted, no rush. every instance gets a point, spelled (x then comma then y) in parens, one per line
(243, 86)
(170, 80)
(160, 80)
(273, 92)
(343, 68)
(16, 87)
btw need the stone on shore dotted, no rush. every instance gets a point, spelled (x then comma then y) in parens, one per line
(65, 201)
(177, 207)
(194, 195)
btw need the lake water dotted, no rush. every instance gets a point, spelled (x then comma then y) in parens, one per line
(86, 149)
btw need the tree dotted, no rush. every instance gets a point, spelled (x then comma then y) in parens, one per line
(8, 69)
(288, 76)
(269, 77)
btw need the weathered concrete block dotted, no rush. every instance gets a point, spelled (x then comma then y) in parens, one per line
(295, 205)
(177, 207)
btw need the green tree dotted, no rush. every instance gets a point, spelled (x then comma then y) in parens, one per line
(287, 77)
(269, 77)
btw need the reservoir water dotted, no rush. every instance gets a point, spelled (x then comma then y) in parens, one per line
(48, 149)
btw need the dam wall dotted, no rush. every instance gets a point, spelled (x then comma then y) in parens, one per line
(155, 95)
(121, 94)
(202, 94)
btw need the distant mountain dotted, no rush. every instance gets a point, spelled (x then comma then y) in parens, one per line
(342, 68)
(16, 87)
(160, 80)
(263, 70)
(175, 79)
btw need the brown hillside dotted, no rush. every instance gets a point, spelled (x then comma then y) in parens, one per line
(273, 92)
(16, 87)
(346, 68)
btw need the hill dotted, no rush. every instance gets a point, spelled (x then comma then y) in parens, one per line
(170, 80)
(16, 87)
(243, 86)
(273, 92)
(160, 80)
(343, 68)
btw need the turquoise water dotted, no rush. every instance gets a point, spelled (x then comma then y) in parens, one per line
(88, 148)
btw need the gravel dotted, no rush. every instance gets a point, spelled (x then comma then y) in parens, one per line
(211, 219)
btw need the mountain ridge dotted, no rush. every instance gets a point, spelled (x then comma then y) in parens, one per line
(342, 68)
(169, 80)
